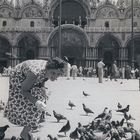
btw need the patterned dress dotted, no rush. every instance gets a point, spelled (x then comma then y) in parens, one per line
(19, 110)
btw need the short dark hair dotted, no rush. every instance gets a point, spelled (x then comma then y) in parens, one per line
(56, 63)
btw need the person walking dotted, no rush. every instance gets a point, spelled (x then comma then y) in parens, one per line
(27, 95)
(100, 67)
(114, 71)
(68, 69)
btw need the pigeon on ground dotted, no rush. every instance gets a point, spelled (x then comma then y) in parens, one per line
(120, 123)
(74, 135)
(2, 131)
(102, 115)
(13, 138)
(58, 116)
(81, 129)
(85, 94)
(87, 110)
(128, 117)
(108, 115)
(65, 128)
(119, 106)
(124, 110)
(48, 114)
(71, 104)
(51, 138)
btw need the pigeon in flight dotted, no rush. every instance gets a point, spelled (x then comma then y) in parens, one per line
(124, 110)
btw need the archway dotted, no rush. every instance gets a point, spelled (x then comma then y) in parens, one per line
(136, 50)
(28, 48)
(108, 50)
(73, 12)
(73, 43)
(4, 51)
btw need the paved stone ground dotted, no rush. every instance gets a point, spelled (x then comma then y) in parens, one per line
(107, 94)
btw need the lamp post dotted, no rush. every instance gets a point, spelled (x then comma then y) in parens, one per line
(60, 16)
(132, 33)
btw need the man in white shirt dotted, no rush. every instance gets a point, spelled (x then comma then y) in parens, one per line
(100, 66)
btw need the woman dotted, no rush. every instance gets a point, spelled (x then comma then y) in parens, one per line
(27, 94)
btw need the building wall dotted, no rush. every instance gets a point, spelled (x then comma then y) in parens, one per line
(19, 25)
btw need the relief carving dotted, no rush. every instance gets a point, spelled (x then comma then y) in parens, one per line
(107, 13)
(71, 38)
(136, 13)
(31, 12)
(6, 12)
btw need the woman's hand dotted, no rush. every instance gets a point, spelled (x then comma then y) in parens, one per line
(41, 106)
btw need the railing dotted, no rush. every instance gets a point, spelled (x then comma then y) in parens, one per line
(86, 29)
(22, 29)
(111, 29)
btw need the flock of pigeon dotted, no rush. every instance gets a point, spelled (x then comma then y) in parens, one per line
(102, 127)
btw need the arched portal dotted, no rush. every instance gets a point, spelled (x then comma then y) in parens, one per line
(73, 43)
(28, 47)
(72, 13)
(108, 49)
(4, 51)
(136, 50)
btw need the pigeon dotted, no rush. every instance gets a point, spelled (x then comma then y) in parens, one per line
(58, 116)
(102, 115)
(81, 129)
(128, 117)
(71, 104)
(87, 110)
(2, 131)
(47, 114)
(108, 115)
(85, 94)
(51, 138)
(65, 128)
(124, 110)
(74, 135)
(119, 106)
(119, 123)
(13, 138)
(121, 82)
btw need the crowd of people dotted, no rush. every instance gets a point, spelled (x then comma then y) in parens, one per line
(111, 71)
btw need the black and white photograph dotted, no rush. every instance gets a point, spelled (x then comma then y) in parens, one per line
(69, 69)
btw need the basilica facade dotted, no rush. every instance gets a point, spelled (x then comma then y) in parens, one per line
(89, 31)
